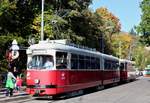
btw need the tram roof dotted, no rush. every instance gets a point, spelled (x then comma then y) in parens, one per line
(126, 60)
(65, 46)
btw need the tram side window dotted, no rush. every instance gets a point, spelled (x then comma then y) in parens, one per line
(93, 63)
(114, 65)
(61, 60)
(87, 62)
(74, 61)
(117, 65)
(97, 63)
(126, 65)
(81, 62)
(110, 65)
(107, 64)
(121, 66)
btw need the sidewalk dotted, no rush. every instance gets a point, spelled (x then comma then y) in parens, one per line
(2, 89)
(21, 95)
(16, 98)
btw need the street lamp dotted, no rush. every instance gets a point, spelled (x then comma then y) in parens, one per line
(13, 53)
(14, 46)
(14, 50)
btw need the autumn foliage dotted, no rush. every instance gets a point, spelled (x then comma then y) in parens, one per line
(123, 44)
(111, 22)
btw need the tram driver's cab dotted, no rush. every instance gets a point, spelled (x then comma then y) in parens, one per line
(41, 62)
(51, 60)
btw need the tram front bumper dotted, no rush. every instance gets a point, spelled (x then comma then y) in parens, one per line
(38, 92)
(41, 90)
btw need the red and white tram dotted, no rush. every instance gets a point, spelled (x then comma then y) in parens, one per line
(71, 68)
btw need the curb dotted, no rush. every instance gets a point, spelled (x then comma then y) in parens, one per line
(17, 98)
(2, 89)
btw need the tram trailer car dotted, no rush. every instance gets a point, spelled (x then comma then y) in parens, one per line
(72, 68)
(127, 70)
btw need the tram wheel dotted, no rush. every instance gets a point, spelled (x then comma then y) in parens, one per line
(55, 97)
(100, 87)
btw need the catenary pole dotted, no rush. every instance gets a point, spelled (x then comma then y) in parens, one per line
(42, 22)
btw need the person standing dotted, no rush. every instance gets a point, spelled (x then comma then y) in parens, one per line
(10, 83)
(18, 82)
(15, 72)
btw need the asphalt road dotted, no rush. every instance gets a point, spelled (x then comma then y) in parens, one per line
(133, 92)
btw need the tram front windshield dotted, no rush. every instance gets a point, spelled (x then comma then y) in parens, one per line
(41, 62)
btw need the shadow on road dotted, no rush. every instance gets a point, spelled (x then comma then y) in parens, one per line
(86, 92)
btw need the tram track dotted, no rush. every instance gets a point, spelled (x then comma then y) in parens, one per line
(35, 100)
(49, 99)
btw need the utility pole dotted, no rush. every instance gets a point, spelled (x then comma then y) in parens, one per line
(120, 49)
(42, 22)
(101, 43)
(119, 54)
(129, 56)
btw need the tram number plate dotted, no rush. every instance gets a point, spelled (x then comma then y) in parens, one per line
(37, 91)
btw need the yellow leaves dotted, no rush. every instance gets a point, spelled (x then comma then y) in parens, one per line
(87, 13)
(125, 37)
(126, 41)
(102, 11)
(105, 14)
(74, 13)
(109, 19)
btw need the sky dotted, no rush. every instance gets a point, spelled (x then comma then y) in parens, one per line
(128, 11)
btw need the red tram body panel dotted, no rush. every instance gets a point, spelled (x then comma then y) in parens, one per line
(123, 76)
(110, 77)
(57, 82)
(47, 81)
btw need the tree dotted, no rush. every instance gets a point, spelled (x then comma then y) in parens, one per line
(141, 56)
(144, 26)
(63, 19)
(132, 32)
(16, 18)
(111, 22)
(21, 19)
(129, 47)
(123, 45)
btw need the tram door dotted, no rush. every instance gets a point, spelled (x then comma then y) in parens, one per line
(62, 68)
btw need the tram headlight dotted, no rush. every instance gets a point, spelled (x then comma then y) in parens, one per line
(36, 81)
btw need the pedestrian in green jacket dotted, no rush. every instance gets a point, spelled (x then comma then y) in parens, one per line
(10, 83)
